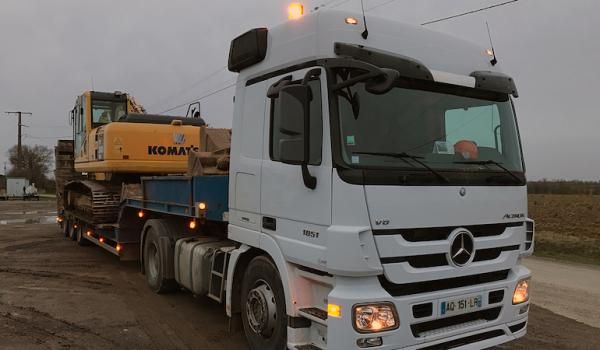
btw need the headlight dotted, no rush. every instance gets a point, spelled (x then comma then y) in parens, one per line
(521, 293)
(373, 318)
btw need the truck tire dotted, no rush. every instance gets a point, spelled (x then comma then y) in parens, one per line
(73, 232)
(65, 227)
(263, 306)
(80, 235)
(153, 264)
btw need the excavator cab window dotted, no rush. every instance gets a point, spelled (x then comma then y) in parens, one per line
(104, 112)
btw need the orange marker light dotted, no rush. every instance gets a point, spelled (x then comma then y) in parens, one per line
(295, 11)
(201, 205)
(334, 310)
(351, 20)
(192, 224)
(75, 226)
(89, 233)
(141, 214)
(101, 239)
(119, 248)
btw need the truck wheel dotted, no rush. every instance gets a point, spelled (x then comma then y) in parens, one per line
(73, 231)
(81, 240)
(153, 264)
(263, 306)
(66, 227)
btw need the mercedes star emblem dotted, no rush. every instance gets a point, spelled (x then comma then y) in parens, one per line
(462, 249)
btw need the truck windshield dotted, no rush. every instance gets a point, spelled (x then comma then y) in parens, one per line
(444, 131)
(104, 112)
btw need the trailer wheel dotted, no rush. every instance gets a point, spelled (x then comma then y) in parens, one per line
(65, 226)
(263, 306)
(153, 264)
(81, 240)
(73, 231)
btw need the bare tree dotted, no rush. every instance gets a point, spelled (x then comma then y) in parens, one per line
(35, 165)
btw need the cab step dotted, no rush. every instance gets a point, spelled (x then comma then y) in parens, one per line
(314, 314)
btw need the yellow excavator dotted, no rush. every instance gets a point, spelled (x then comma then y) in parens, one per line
(114, 144)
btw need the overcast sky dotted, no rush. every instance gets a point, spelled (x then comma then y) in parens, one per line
(160, 51)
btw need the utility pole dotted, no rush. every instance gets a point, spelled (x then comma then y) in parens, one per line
(19, 143)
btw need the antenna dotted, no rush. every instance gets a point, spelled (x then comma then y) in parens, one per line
(494, 60)
(364, 34)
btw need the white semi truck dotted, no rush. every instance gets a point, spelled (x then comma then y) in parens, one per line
(376, 196)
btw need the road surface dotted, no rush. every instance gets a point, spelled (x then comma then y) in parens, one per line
(57, 295)
(567, 289)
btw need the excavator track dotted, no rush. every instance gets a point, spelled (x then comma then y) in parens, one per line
(96, 202)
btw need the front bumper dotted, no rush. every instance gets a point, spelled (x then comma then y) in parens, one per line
(495, 323)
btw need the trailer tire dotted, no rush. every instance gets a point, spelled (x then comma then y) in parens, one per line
(263, 306)
(153, 264)
(65, 227)
(73, 232)
(81, 240)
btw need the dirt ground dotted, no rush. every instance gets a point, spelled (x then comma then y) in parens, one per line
(57, 295)
(567, 226)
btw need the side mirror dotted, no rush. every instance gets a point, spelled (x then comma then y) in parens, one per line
(383, 83)
(294, 107)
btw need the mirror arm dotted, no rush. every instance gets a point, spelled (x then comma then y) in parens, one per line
(356, 80)
(309, 180)
(274, 89)
(313, 73)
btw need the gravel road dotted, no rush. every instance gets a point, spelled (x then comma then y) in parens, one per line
(57, 295)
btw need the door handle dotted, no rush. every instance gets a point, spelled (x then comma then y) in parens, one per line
(269, 223)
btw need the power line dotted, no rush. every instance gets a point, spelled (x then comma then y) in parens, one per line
(469, 12)
(380, 5)
(199, 98)
(193, 85)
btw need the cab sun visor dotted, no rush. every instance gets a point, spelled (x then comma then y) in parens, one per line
(494, 81)
(406, 66)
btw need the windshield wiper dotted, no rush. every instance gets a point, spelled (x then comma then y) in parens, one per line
(493, 162)
(405, 156)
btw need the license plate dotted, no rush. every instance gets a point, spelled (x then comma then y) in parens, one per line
(460, 305)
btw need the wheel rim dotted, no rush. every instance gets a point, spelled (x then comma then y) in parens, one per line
(153, 260)
(261, 309)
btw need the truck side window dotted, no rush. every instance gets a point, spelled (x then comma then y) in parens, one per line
(316, 126)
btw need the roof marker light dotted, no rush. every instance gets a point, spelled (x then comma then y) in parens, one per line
(295, 11)
(351, 20)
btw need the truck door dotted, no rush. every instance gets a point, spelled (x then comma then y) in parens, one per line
(295, 215)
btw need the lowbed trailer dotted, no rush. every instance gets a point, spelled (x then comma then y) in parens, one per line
(186, 202)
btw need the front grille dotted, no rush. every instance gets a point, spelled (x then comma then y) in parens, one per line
(492, 253)
(466, 341)
(420, 329)
(397, 290)
(419, 261)
(442, 233)
(436, 260)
